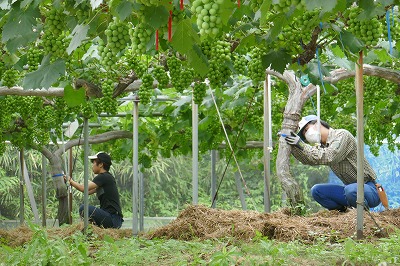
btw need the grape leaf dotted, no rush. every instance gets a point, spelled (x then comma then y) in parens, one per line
(74, 97)
(124, 10)
(46, 75)
(369, 10)
(26, 3)
(197, 60)
(78, 35)
(351, 42)
(23, 20)
(277, 60)
(383, 55)
(156, 16)
(184, 37)
(327, 6)
(21, 40)
(265, 9)
(279, 21)
(226, 9)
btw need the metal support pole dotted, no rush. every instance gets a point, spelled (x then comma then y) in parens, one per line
(135, 114)
(141, 195)
(44, 190)
(70, 166)
(360, 145)
(240, 190)
(86, 175)
(213, 177)
(267, 144)
(29, 190)
(21, 189)
(195, 151)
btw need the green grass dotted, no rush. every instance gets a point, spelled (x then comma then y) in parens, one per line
(80, 250)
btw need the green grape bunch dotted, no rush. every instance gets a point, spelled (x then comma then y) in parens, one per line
(255, 67)
(146, 89)
(118, 38)
(33, 58)
(284, 6)
(2, 68)
(199, 92)
(161, 76)
(208, 17)
(54, 37)
(140, 36)
(10, 77)
(369, 31)
(175, 71)
(135, 63)
(220, 56)
(240, 64)
(107, 102)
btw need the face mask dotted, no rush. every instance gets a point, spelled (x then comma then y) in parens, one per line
(313, 136)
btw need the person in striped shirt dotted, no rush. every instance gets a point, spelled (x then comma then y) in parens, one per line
(337, 149)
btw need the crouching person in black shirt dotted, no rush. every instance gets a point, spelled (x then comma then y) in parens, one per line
(109, 215)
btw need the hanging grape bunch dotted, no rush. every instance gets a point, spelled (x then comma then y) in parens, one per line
(208, 16)
(54, 37)
(393, 25)
(255, 67)
(2, 69)
(375, 90)
(135, 63)
(284, 6)
(161, 76)
(33, 58)
(369, 31)
(60, 109)
(206, 46)
(199, 91)
(10, 77)
(108, 103)
(140, 36)
(175, 69)
(240, 63)
(146, 89)
(117, 34)
(186, 78)
(220, 56)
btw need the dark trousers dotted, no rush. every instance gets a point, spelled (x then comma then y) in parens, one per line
(102, 218)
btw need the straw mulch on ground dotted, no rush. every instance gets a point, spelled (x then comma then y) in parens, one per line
(198, 222)
(23, 234)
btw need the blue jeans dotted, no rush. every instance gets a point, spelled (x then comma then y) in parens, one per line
(102, 218)
(337, 197)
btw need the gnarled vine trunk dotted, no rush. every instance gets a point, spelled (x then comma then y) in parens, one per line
(291, 117)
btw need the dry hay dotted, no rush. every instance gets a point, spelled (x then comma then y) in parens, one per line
(200, 222)
(23, 234)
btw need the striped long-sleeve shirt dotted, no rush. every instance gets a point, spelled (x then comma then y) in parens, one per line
(339, 153)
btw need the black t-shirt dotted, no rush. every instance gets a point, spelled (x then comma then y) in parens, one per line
(107, 193)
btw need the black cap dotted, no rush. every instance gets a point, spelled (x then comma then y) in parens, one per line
(102, 157)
